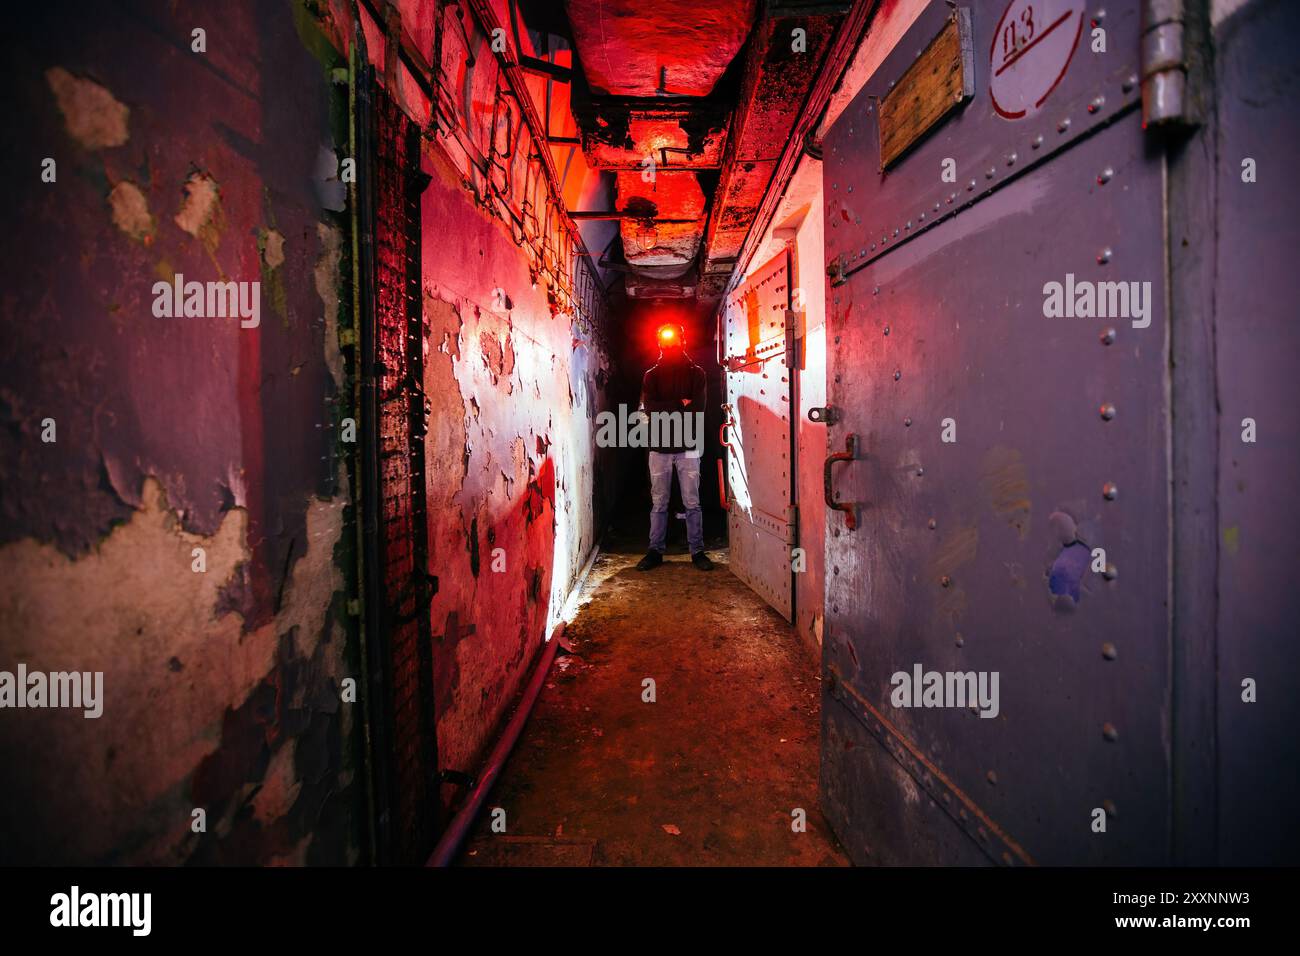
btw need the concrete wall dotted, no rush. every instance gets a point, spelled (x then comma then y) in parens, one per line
(224, 667)
(514, 373)
(511, 453)
(221, 666)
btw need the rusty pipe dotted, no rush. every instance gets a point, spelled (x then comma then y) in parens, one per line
(452, 838)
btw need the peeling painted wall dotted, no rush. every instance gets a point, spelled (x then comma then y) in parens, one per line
(222, 685)
(512, 374)
(511, 462)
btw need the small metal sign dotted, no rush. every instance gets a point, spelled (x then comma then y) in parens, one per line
(942, 77)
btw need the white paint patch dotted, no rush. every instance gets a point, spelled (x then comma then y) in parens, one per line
(92, 115)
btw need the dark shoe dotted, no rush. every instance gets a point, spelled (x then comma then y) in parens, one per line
(652, 559)
(701, 561)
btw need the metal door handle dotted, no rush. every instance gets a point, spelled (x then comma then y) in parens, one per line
(722, 429)
(848, 454)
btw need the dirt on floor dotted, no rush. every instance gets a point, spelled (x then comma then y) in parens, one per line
(712, 772)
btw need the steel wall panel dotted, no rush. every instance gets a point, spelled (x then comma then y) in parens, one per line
(1258, 351)
(873, 211)
(950, 564)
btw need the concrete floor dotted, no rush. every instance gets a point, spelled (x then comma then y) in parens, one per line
(708, 774)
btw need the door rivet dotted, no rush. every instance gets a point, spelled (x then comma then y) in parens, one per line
(907, 423)
(959, 639)
(897, 374)
(1108, 651)
(933, 524)
(1109, 491)
(1108, 337)
(886, 330)
(1109, 732)
(945, 581)
(1095, 105)
(1064, 125)
(920, 472)
(1111, 572)
(1109, 807)
(1107, 411)
(992, 777)
(1105, 176)
(1103, 257)
(1038, 141)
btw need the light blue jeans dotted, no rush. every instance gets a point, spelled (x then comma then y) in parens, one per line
(661, 486)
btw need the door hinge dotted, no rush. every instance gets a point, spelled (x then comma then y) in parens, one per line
(793, 341)
(1164, 64)
(835, 271)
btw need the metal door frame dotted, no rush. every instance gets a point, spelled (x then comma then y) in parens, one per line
(783, 347)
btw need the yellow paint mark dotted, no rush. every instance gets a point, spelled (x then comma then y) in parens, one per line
(1232, 539)
(1006, 487)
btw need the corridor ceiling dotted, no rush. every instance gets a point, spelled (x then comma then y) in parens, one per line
(690, 105)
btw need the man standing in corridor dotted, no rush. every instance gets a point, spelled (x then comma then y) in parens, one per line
(678, 386)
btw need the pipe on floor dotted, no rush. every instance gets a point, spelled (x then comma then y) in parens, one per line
(457, 830)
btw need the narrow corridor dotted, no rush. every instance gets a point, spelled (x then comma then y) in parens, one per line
(358, 348)
(710, 773)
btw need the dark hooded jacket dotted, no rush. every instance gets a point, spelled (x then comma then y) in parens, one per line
(666, 383)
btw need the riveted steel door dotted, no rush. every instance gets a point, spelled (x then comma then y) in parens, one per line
(760, 520)
(995, 686)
